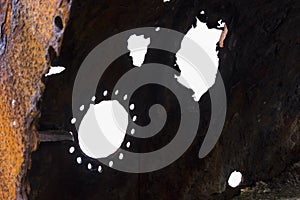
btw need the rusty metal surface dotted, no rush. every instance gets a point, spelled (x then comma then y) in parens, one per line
(27, 31)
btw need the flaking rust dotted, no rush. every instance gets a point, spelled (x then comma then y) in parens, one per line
(27, 32)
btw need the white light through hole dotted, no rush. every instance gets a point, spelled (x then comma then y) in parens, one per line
(137, 45)
(116, 92)
(89, 166)
(131, 107)
(121, 156)
(103, 129)
(111, 163)
(100, 169)
(134, 118)
(71, 150)
(79, 160)
(105, 93)
(81, 108)
(55, 70)
(125, 97)
(132, 131)
(157, 29)
(93, 98)
(190, 77)
(128, 144)
(235, 179)
(73, 121)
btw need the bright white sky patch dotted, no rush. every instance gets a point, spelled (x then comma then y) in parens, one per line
(55, 70)
(190, 77)
(103, 129)
(138, 45)
(235, 179)
(166, 0)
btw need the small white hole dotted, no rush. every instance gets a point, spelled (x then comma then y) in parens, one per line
(134, 118)
(55, 70)
(202, 12)
(93, 98)
(13, 102)
(72, 150)
(111, 163)
(79, 160)
(131, 107)
(235, 179)
(81, 108)
(125, 97)
(14, 123)
(89, 166)
(157, 29)
(132, 131)
(71, 133)
(73, 121)
(121, 156)
(105, 93)
(100, 169)
(116, 92)
(128, 144)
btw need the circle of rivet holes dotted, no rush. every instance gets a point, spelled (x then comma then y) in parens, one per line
(72, 149)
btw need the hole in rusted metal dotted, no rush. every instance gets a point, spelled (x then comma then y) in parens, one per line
(58, 23)
(52, 55)
(235, 179)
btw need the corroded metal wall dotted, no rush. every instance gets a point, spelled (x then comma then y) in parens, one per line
(259, 64)
(27, 31)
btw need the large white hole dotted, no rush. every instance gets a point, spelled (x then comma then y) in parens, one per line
(137, 45)
(190, 77)
(103, 129)
(235, 179)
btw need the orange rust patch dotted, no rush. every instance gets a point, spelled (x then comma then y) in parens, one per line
(28, 29)
(223, 36)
